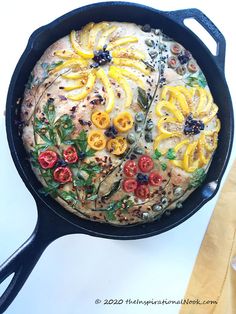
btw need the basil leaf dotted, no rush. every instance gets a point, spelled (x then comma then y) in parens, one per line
(114, 188)
(142, 99)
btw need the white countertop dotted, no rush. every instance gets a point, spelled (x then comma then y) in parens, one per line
(76, 270)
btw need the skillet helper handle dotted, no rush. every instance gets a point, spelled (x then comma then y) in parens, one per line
(20, 264)
(180, 15)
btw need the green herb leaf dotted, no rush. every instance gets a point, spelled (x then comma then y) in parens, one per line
(46, 67)
(170, 154)
(69, 196)
(92, 197)
(114, 188)
(64, 127)
(49, 110)
(142, 99)
(196, 79)
(51, 188)
(90, 152)
(81, 141)
(163, 166)
(197, 178)
(157, 154)
(91, 168)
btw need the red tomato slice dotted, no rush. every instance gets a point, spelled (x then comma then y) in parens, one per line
(47, 159)
(145, 163)
(62, 174)
(155, 178)
(70, 155)
(130, 168)
(142, 192)
(130, 185)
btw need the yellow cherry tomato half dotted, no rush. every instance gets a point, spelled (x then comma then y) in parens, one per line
(124, 121)
(101, 119)
(117, 146)
(96, 140)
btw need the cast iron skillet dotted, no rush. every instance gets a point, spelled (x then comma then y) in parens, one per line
(54, 221)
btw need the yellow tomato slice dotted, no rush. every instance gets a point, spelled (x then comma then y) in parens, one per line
(101, 119)
(123, 121)
(117, 146)
(96, 140)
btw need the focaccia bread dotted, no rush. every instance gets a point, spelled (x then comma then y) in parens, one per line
(119, 123)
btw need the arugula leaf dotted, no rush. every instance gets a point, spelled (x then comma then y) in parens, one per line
(197, 178)
(170, 154)
(69, 196)
(113, 206)
(142, 99)
(50, 189)
(65, 127)
(157, 154)
(91, 168)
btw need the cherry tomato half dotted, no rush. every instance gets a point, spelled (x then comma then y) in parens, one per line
(70, 155)
(129, 185)
(142, 192)
(47, 159)
(62, 174)
(130, 168)
(155, 178)
(145, 163)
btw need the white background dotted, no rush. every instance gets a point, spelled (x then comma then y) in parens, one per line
(76, 270)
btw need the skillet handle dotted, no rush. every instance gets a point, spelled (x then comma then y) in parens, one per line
(180, 15)
(21, 263)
